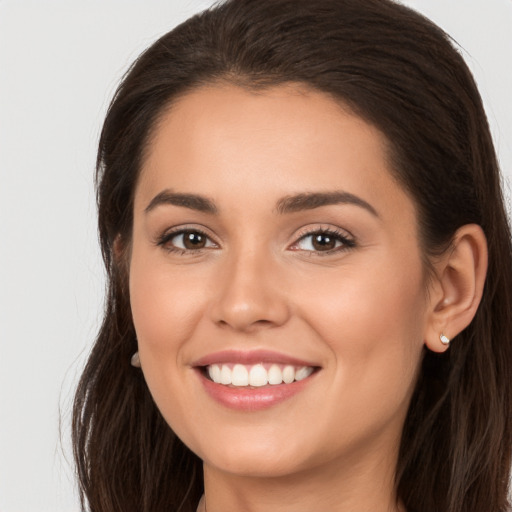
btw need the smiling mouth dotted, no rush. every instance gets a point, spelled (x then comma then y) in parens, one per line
(256, 375)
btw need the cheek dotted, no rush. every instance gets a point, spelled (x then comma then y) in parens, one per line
(166, 305)
(377, 304)
(373, 323)
(388, 308)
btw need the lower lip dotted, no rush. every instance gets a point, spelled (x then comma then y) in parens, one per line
(252, 399)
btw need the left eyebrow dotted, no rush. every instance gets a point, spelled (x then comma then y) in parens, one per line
(311, 200)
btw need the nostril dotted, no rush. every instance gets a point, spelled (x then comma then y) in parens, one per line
(262, 322)
(249, 326)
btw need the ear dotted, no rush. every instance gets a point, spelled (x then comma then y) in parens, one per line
(118, 248)
(121, 253)
(457, 287)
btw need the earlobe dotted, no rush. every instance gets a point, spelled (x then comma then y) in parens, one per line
(460, 279)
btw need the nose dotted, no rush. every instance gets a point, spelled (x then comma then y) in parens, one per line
(249, 296)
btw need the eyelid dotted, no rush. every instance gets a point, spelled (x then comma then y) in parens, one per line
(346, 238)
(163, 239)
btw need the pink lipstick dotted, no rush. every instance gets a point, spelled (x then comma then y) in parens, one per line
(253, 380)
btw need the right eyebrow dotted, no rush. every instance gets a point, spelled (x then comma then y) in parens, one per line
(192, 201)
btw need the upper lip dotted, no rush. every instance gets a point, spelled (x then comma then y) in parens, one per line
(250, 357)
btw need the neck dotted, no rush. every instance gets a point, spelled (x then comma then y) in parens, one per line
(354, 486)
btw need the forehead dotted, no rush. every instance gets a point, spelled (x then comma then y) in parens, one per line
(283, 140)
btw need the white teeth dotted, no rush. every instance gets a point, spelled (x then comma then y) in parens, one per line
(239, 375)
(256, 375)
(275, 375)
(225, 375)
(288, 374)
(303, 372)
(214, 373)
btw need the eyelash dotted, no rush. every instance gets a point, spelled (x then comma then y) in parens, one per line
(347, 243)
(165, 238)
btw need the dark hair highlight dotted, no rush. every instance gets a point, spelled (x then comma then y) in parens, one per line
(400, 72)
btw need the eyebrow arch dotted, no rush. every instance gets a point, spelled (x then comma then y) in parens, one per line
(311, 200)
(192, 201)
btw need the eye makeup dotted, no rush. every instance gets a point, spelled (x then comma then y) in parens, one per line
(185, 240)
(319, 241)
(324, 241)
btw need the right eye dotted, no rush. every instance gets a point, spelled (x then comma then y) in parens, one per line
(186, 240)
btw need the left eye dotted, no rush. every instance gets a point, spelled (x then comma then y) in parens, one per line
(323, 241)
(188, 240)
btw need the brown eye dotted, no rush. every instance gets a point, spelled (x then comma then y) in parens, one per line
(187, 240)
(193, 240)
(323, 242)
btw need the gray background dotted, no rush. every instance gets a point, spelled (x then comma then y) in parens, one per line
(60, 61)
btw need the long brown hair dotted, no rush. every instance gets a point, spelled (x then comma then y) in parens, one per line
(400, 72)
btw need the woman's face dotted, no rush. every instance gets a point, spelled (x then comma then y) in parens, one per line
(271, 243)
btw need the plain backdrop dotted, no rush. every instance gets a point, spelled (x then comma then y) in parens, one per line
(60, 61)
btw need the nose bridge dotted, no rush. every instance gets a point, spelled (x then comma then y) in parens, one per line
(248, 293)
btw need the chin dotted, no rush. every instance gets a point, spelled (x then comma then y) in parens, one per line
(259, 465)
(266, 457)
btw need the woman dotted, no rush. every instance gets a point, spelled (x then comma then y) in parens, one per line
(309, 270)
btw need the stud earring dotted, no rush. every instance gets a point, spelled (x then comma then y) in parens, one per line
(444, 340)
(135, 360)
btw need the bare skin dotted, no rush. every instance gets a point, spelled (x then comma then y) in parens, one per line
(223, 260)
